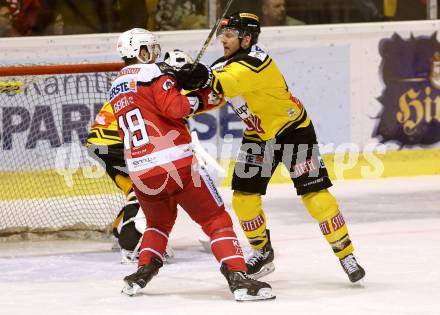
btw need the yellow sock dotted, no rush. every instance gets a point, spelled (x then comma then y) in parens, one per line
(323, 207)
(248, 209)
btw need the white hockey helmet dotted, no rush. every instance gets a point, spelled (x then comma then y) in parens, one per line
(130, 43)
(177, 58)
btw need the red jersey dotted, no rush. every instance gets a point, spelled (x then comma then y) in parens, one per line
(150, 113)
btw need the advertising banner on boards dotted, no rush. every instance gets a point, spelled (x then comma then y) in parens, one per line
(410, 71)
(362, 85)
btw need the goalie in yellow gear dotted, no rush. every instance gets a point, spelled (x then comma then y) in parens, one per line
(278, 131)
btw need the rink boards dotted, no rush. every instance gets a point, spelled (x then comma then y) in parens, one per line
(340, 167)
(363, 94)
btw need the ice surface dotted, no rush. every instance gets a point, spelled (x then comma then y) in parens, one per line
(394, 224)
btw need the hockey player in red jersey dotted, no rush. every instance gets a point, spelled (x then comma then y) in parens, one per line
(150, 111)
(106, 147)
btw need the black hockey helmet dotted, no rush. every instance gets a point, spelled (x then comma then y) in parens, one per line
(245, 23)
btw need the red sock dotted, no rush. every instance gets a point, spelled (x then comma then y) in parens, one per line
(226, 249)
(154, 243)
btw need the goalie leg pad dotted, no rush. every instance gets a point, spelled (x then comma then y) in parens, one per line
(323, 207)
(129, 233)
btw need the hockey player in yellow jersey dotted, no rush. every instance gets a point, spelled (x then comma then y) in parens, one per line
(278, 130)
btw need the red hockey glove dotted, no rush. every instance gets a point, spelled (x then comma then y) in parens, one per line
(208, 99)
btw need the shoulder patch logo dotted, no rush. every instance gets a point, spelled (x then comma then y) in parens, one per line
(164, 67)
(168, 84)
(258, 53)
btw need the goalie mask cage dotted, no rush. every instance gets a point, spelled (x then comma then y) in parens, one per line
(49, 186)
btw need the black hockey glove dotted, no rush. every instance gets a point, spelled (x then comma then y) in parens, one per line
(193, 79)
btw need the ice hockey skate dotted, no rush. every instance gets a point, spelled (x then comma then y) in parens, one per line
(351, 267)
(132, 257)
(139, 279)
(245, 288)
(261, 264)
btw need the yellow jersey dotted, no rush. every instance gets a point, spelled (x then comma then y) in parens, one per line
(104, 130)
(259, 95)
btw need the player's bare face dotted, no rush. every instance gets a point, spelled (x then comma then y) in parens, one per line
(150, 54)
(230, 41)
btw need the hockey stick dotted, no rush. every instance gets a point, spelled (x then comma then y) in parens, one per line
(203, 156)
(211, 34)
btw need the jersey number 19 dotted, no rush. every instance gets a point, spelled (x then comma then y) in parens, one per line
(134, 128)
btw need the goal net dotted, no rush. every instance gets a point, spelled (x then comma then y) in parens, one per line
(49, 186)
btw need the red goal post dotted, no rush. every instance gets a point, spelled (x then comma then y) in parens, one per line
(48, 183)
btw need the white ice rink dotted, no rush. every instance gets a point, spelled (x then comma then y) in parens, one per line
(394, 224)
